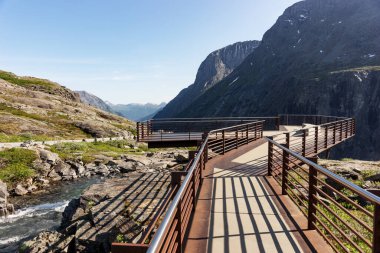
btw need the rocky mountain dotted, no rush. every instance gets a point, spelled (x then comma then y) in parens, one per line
(138, 112)
(93, 100)
(38, 109)
(214, 68)
(320, 57)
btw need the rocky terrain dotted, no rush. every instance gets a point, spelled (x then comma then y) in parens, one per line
(366, 174)
(38, 109)
(32, 169)
(213, 69)
(115, 210)
(320, 57)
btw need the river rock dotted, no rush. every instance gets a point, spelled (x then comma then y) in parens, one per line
(42, 181)
(102, 170)
(48, 156)
(32, 188)
(54, 176)
(20, 190)
(42, 167)
(47, 242)
(180, 158)
(123, 166)
(6, 209)
(3, 190)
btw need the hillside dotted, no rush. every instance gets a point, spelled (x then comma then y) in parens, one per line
(320, 57)
(38, 109)
(214, 68)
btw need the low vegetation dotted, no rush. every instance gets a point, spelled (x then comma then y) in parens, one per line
(89, 150)
(16, 164)
(28, 81)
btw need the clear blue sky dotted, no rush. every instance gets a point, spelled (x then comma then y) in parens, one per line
(122, 50)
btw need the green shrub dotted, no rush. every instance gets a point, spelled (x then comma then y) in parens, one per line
(16, 172)
(18, 155)
(16, 164)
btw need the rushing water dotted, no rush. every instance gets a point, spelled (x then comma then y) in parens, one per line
(38, 213)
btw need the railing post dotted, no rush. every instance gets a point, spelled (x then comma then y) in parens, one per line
(326, 136)
(224, 141)
(142, 130)
(376, 230)
(341, 131)
(316, 140)
(312, 200)
(334, 133)
(179, 226)
(237, 139)
(285, 167)
(194, 190)
(287, 138)
(270, 156)
(304, 143)
(138, 131)
(346, 132)
(247, 130)
(278, 122)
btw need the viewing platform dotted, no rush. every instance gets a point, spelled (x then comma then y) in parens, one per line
(254, 185)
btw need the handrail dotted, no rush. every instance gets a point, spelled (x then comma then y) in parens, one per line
(213, 118)
(237, 126)
(341, 119)
(360, 191)
(159, 236)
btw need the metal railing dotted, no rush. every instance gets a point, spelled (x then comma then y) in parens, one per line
(192, 128)
(170, 234)
(346, 215)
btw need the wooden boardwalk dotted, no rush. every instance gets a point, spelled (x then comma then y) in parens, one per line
(240, 209)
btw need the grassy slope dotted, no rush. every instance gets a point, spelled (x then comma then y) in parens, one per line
(45, 110)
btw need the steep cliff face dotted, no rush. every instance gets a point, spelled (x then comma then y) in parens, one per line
(95, 101)
(213, 69)
(320, 57)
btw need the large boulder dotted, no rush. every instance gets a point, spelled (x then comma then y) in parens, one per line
(48, 156)
(20, 190)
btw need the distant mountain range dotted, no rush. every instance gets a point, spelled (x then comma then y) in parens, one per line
(133, 111)
(137, 112)
(320, 57)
